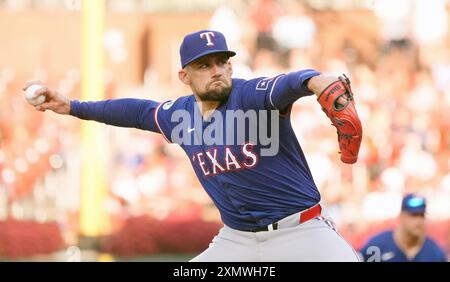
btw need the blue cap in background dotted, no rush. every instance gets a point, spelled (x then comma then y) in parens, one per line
(414, 204)
(202, 43)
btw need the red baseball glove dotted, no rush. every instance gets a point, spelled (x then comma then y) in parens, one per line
(338, 104)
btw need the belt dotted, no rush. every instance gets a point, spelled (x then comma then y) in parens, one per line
(298, 218)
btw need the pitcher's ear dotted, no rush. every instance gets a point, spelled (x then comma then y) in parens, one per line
(184, 77)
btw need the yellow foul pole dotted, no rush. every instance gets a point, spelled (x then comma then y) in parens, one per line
(93, 217)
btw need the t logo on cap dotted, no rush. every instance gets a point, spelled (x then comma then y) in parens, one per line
(208, 35)
(201, 43)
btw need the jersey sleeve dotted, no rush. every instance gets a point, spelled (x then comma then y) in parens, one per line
(162, 117)
(137, 113)
(171, 116)
(442, 255)
(439, 254)
(276, 93)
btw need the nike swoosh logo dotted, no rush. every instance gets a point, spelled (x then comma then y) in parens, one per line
(190, 130)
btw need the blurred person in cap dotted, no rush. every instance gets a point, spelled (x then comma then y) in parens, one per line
(408, 241)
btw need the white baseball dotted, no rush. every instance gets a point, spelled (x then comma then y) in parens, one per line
(30, 95)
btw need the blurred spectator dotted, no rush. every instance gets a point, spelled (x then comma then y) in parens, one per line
(430, 21)
(294, 29)
(408, 241)
(263, 14)
(394, 17)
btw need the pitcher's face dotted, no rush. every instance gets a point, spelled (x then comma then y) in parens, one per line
(209, 77)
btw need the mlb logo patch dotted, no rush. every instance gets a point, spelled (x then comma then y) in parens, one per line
(167, 105)
(263, 84)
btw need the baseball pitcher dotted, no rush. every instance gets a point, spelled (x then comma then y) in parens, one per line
(238, 136)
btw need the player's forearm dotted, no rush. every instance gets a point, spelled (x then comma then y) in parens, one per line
(317, 84)
(135, 113)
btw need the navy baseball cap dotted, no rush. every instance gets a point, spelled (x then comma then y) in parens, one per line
(202, 43)
(413, 204)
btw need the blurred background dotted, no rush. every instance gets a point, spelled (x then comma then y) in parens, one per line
(397, 54)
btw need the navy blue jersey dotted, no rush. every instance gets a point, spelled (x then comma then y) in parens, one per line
(382, 247)
(250, 189)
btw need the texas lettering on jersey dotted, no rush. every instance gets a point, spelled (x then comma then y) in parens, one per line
(210, 163)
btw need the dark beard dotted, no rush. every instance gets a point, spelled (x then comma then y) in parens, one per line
(216, 96)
